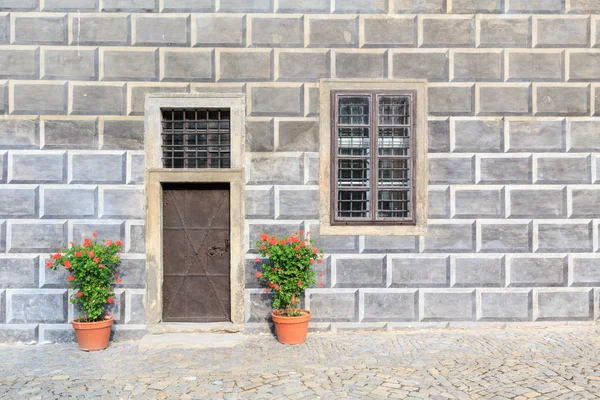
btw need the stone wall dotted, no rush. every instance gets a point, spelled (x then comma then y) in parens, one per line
(514, 136)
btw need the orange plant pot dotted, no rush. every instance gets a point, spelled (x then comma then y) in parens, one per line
(291, 330)
(93, 336)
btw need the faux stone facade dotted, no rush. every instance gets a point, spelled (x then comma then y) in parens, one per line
(514, 149)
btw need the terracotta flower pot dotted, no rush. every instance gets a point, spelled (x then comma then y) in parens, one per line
(291, 330)
(93, 336)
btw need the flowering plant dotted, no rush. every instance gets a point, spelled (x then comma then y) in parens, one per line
(289, 271)
(92, 272)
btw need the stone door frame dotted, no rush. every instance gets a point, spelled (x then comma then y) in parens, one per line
(156, 175)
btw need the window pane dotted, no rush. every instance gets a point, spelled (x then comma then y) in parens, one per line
(394, 110)
(395, 172)
(353, 141)
(353, 110)
(353, 172)
(394, 141)
(353, 204)
(394, 204)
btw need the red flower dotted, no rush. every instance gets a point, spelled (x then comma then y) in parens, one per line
(301, 233)
(294, 301)
(95, 234)
(87, 242)
(67, 264)
(264, 236)
(315, 251)
(297, 248)
(282, 242)
(110, 300)
(117, 276)
(299, 283)
(312, 261)
(77, 254)
(321, 284)
(257, 259)
(70, 278)
(118, 243)
(320, 275)
(119, 281)
(96, 260)
(272, 242)
(266, 290)
(320, 261)
(109, 242)
(101, 266)
(277, 288)
(56, 256)
(291, 239)
(258, 274)
(48, 263)
(298, 255)
(308, 233)
(72, 244)
(263, 247)
(302, 244)
(91, 254)
(79, 294)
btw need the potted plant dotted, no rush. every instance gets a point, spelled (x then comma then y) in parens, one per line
(287, 274)
(91, 268)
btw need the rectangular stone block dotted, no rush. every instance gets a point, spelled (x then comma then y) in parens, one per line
(438, 135)
(52, 279)
(361, 65)
(479, 203)
(19, 333)
(360, 6)
(38, 30)
(565, 304)
(198, 6)
(451, 100)
(277, 32)
(129, 65)
(476, 271)
(537, 271)
(246, 5)
(3, 98)
(19, 133)
(298, 204)
(506, 169)
(38, 167)
(259, 305)
(563, 31)
(585, 202)
(281, 230)
(105, 230)
(106, 30)
(536, 135)
(419, 6)
(259, 135)
(276, 169)
(477, 6)
(478, 66)
(532, 65)
(447, 305)
(122, 134)
(515, 237)
(56, 333)
(540, 6)
(334, 244)
(98, 99)
(538, 203)
(36, 237)
(132, 272)
(329, 32)
(194, 65)
(5, 29)
(260, 203)
(19, 63)
(245, 66)
(439, 203)
(563, 169)
(19, 5)
(70, 5)
(81, 64)
(504, 100)
(137, 239)
(19, 272)
(33, 98)
(360, 272)
(130, 5)
(421, 64)
(420, 271)
(304, 66)
(451, 170)
(448, 32)
(504, 31)
(85, 168)
(391, 244)
(585, 271)
(135, 312)
(220, 30)
(457, 237)
(298, 136)
(584, 7)
(19, 202)
(137, 94)
(68, 202)
(506, 305)
(567, 237)
(392, 305)
(136, 169)
(28, 306)
(584, 66)
(276, 100)
(307, 6)
(122, 202)
(478, 135)
(562, 100)
(161, 30)
(70, 134)
(390, 32)
(334, 306)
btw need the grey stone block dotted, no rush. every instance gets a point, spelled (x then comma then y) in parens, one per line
(565, 304)
(37, 167)
(19, 272)
(430, 65)
(360, 6)
(549, 203)
(420, 272)
(334, 244)
(446, 32)
(585, 202)
(439, 203)
(280, 169)
(478, 135)
(505, 305)
(537, 271)
(478, 272)
(18, 333)
(563, 170)
(112, 231)
(505, 32)
(390, 32)
(56, 333)
(278, 32)
(313, 102)
(33, 306)
(448, 305)
(536, 135)
(333, 32)
(480, 203)
(2, 311)
(19, 5)
(391, 244)
(125, 333)
(585, 135)
(122, 203)
(19, 63)
(132, 273)
(439, 136)
(308, 6)
(584, 7)
(298, 204)
(451, 100)
(52, 279)
(70, 64)
(36, 99)
(419, 6)
(136, 308)
(258, 306)
(572, 237)
(19, 202)
(509, 237)
(361, 65)
(298, 136)
(563, 32)
(451, 170)
(480, 66)
(246, 66)
(4, 29)
(277, 101)
(138, 95)
(70, 5)
(312, 167)
(250, 270)
(541, 6)
(123, 135)
(161, 30)
(97, 168)
(188, 66)
(477, 6)
(98, 99)
(563, 100)
(198, 6)
(506, 170)
(118, 65)
(68, 203)
(259, 136)
(360, 272)
(137, 239)
(304, 66)
(217, 30)
(334, 306)
(3, 98)
(450, 237)
(585, 271)
(130, 5)
(36, 30)
(391, 305)
(280, 230)
(504, 100)
(3, 170)
(106, 30)
(535, 66)
(246, 6)
(136, 174)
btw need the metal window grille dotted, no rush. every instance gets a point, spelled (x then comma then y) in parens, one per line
(196, 138)
(373, 157)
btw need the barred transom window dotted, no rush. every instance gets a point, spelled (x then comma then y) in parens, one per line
(373, 160)
(196, 138)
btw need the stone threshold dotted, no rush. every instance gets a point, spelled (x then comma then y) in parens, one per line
(184, 327)
(191, 340)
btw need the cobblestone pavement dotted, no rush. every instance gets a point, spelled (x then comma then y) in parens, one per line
(553, 363)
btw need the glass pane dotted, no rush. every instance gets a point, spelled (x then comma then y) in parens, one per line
(353, 172)
(353, 141)
(394, 172)
(394, 110)
(353, 204)
(394, 141)
(393, 204)
(353, 110)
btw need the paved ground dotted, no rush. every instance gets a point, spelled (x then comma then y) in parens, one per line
(557, 363)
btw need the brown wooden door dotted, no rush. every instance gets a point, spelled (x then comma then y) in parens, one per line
(196, 253)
